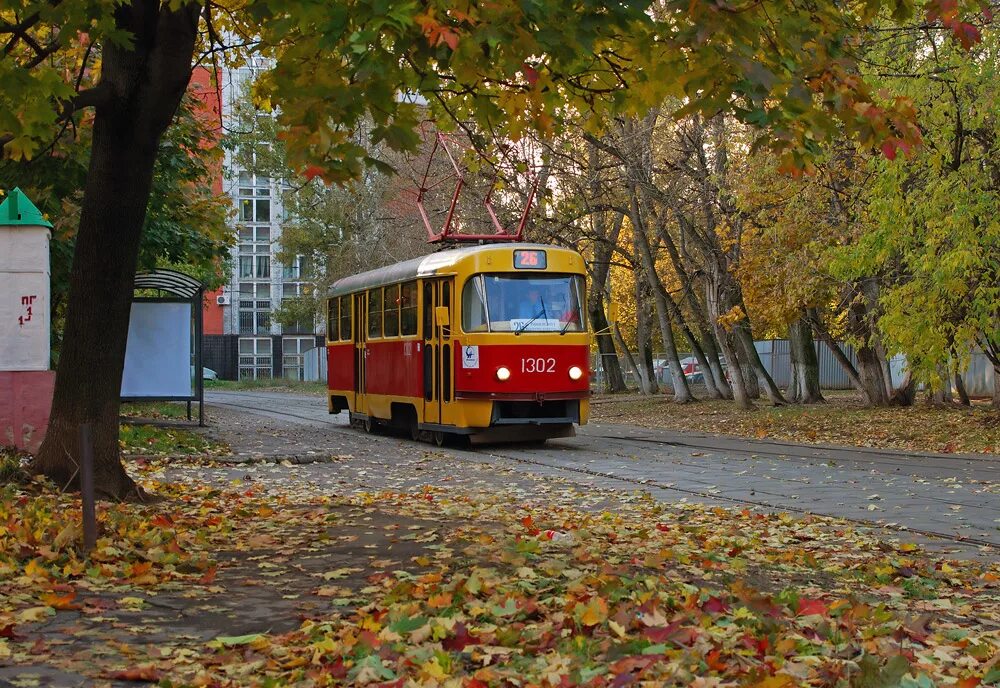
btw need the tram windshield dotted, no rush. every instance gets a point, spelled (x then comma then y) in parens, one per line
(523, 303)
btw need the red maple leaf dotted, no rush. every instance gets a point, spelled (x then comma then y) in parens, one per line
(807, 607)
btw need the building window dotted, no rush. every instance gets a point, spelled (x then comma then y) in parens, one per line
(263, 267)
(255, 358)
(293, 351)
(246, 267)
(260, 290)
(254, 197)
(296, 270)
(255, 315)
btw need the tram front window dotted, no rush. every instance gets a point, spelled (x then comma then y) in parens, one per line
(523, 303)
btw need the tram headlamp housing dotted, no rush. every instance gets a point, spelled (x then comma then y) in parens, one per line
(575, 373)
(503, 373)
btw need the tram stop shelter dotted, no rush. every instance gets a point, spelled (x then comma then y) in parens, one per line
(163, 357)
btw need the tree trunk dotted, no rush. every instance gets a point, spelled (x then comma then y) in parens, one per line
(907, 391)
(963, 395)
(614, 381)
(941, 390)
(682, 393)
(870, 369)
(627, 355)
(708, 345)
(838, 353)
(607, 238)
(805, 363)
(794, 387)
(996, 386)
(727, 341)
(744, 334)
(647, 376)
(140, 89)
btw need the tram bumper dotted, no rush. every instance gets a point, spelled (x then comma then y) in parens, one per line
(522, 432)
(529, 420)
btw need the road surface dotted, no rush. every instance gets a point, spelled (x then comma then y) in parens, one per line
(955, 496)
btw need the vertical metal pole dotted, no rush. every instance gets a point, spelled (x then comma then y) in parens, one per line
(87, 487)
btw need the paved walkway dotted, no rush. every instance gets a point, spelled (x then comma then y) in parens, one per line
(949, 494)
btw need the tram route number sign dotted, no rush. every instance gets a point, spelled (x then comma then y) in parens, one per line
(470, 357)
(529, 260)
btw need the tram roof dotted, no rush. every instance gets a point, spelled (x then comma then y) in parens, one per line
(425, 266)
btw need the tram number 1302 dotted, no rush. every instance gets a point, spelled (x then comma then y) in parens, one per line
(538, 365)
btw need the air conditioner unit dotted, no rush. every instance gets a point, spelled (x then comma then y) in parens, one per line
(222, 299)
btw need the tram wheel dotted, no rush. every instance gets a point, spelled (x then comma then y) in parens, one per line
(369, 425)
(414, 431)
(439, 438)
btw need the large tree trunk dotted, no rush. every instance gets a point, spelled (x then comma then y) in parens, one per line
(139, 91)
(805, 364)
(870, 369)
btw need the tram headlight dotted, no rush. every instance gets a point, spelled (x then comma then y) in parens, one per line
(503, 373)
(575, 373)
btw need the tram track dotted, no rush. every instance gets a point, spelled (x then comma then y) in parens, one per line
(647, 483)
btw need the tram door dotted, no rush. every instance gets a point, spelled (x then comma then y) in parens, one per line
(437, 354)
(360, 330)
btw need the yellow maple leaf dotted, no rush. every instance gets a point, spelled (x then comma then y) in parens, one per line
(594, 612)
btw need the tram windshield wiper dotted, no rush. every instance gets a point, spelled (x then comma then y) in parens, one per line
(523, 327)
(566, 326)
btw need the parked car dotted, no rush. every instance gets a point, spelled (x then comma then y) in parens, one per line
(206, 374)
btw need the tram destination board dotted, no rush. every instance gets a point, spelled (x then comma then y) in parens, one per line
(529, 259)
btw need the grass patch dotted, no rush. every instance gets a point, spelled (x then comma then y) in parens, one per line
(842, 420)
(12, 470)
(147, 439)
(156, 409)
(286, 386)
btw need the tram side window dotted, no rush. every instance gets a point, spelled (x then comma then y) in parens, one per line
(332, 322)
(375, 313)
(345, 317)
(391, 303)
(474, 306)
(428, 310)
(408, 309)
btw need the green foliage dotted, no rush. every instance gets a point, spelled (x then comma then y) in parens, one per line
(932, 227)
(186, 222)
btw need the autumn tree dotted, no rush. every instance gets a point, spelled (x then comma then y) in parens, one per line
(508, 65)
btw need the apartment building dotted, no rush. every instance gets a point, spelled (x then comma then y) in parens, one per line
(248, 342)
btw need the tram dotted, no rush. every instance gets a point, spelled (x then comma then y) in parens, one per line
(488, 342)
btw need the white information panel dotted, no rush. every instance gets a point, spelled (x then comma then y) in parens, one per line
(158, 353)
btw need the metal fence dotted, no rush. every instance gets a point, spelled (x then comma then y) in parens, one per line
(314, 365)
(775, 354)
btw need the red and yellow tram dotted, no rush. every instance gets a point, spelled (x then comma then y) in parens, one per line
(490, 342)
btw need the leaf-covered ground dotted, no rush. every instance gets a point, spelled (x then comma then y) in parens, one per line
(248, 585)
(842, 420)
